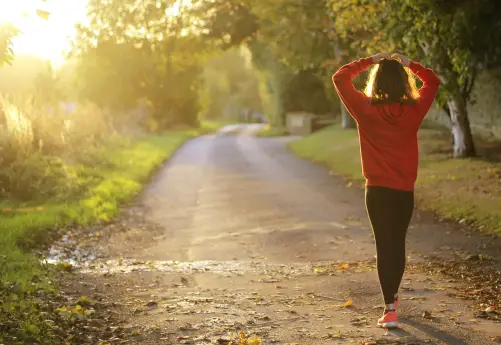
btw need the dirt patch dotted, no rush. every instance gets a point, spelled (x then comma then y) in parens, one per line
(261, 303)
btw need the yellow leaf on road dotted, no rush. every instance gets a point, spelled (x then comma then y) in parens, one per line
(348, 304)
(254, 341)
(343, 267)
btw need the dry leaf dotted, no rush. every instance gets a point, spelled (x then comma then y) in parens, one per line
(43, 14)
(348, 303)
(343, 267)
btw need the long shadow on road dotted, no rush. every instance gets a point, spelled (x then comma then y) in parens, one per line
(434, 332)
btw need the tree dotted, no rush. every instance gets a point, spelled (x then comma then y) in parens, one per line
(231, 85)
(281, 56)
(7, 33)
(110, 74)
(273, 77)
(455, 38)
(137, 50)
(307, 45)
(228, 23)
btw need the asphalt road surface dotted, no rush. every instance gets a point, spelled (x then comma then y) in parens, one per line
(247, 237)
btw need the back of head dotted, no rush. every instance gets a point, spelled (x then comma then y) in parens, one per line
(389, 82)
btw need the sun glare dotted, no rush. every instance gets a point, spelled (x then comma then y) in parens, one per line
(46, 39)
(177, 7)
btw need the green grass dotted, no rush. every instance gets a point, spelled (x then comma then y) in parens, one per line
(128, 166)
(269, 131)
(467, 190)
(210, 126)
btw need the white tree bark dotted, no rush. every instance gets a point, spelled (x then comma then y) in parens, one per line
(461, 131)
(346, 120)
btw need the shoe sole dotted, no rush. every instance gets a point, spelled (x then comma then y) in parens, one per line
(388, 325)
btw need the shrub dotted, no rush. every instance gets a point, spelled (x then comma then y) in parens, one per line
(42, 145)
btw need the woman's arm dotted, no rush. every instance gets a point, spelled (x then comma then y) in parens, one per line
(428, 91)
(354, 100)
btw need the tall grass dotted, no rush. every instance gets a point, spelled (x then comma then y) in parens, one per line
(60, 168)
(40, 145)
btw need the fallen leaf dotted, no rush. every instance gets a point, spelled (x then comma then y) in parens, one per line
(43, 14)
(254, 341)
(343, 267)
(348, 303)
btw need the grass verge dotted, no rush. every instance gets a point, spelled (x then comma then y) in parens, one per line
(269, 131)
(210, 126)
(466, 190)
(116, 180)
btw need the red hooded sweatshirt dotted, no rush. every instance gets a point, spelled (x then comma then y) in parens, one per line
(387, 132)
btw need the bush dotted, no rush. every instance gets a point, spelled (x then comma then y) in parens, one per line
(41, 146)
(37, 177)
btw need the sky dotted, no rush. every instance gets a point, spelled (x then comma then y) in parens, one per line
(44, 39)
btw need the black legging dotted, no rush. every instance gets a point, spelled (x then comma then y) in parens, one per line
(390, 212)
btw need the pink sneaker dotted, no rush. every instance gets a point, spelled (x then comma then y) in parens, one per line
(388, 320)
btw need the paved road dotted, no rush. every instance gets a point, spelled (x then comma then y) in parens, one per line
(232, 197)
(249, 237)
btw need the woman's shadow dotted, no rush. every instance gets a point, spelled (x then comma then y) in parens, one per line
(431, 331)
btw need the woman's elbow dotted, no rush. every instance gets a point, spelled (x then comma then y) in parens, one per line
(337, 78)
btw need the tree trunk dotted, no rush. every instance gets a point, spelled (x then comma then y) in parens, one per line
(346, 120)
(447, 111)
(461, 131)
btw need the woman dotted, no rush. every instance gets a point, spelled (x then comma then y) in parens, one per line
(388, 115)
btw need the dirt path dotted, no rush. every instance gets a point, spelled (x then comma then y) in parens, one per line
(236, 234)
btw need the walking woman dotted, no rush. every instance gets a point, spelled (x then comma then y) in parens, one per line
(388, 115)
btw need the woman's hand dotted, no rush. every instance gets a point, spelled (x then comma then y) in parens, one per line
(404, 60)
(378, 57)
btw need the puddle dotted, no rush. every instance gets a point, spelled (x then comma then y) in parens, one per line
(83, 251)
(86, 257)
(124, 266)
